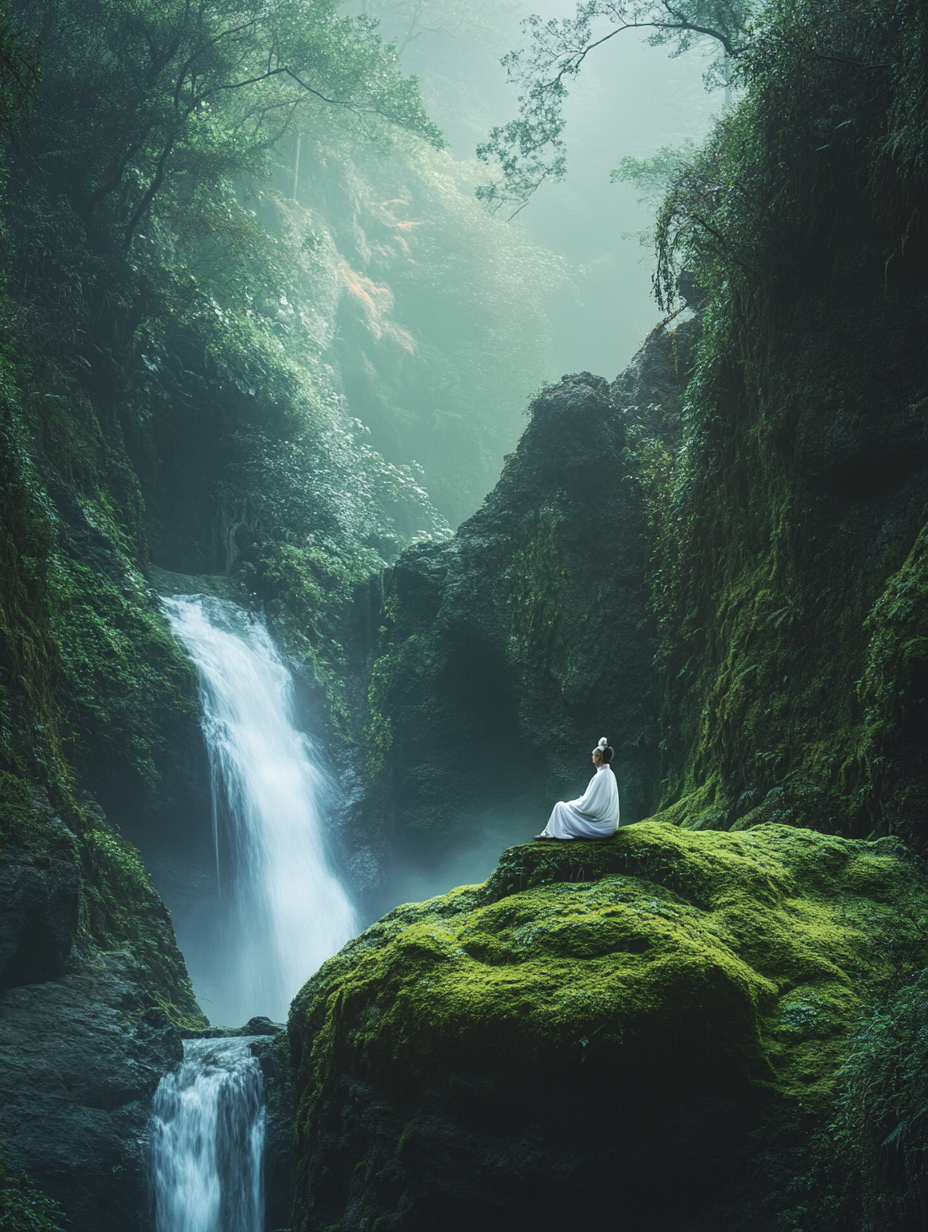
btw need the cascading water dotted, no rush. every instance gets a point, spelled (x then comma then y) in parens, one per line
(282, 911)
(208, 1141)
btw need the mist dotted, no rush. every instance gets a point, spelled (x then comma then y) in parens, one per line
(320, 580)
(630, 100)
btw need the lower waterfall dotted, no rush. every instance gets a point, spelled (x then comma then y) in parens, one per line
(282, 911)
(208, 1141)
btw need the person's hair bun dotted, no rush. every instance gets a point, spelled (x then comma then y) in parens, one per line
(606, 754)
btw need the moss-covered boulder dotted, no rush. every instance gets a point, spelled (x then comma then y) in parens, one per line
(602, 1030)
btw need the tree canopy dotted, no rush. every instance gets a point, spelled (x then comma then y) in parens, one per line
(141, 95)
(530, 149)
(20, 73)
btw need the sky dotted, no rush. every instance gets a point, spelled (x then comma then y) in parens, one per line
(630, 99)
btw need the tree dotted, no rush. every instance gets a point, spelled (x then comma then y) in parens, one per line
(139, 93)
(530, 149)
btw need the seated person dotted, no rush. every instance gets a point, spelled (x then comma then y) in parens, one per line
(596, 813)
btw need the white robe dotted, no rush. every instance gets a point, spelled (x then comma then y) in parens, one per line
(594, 815)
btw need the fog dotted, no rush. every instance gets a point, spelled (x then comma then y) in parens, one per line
(629, 99)
(331, 346)
(469, 859)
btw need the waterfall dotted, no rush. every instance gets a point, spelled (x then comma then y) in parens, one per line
(281, 909)
(208, 1141)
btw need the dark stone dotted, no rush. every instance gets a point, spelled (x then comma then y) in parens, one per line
(40, 893)
(273, 1054)
(483, 1154)
(261, 1026)
(528, 636)
(82, 1058)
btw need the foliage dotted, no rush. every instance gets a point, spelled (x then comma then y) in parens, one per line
(191, 335)
(894, 691)
(23, 1205)
(764, 637)
(882, 1098)
(29, 718)
(146, 100)
(866, 1169)
(652, 175)
(175, 319)
(124, 912)
(442, 325)
(531, 150)
(126, 683)
(761, 182)
(20, 72)
(89, 669)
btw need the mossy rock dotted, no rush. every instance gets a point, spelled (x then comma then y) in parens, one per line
(601, 1030)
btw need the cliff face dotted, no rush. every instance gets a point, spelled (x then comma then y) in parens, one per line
(505, 654)
(791, 599)
(93, 987)
(84, 1055)
(760, 518)
(94, 696)
(790, 587)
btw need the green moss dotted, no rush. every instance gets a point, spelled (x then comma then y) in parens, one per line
(739, 960)
(123, 911)
(877, 1134)
(20, 818)
(89, 677)
(29, 660)
(894, 693)
(127, 684)
(378, 731)
(792, 507)
(311, 591)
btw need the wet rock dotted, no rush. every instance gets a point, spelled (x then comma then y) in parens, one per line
(82, 1058)
(273, 1054)
(254, 1026)
(40, 892)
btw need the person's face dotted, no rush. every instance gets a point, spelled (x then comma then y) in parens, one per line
(597, 758)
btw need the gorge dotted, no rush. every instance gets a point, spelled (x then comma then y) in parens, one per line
(302, 621)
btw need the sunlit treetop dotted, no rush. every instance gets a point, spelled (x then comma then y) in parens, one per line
(530, 150)
(136, 94)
